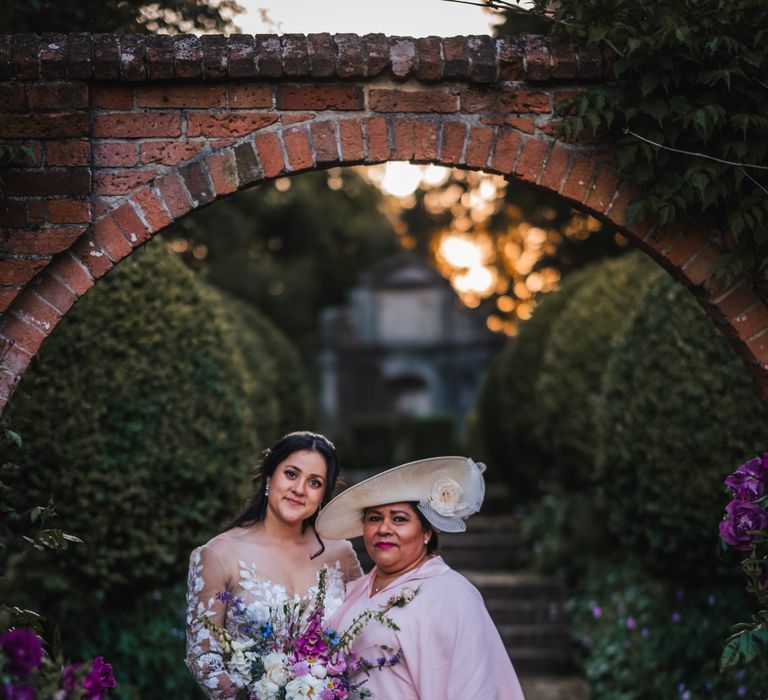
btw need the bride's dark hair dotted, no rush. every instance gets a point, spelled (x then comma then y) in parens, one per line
(255, 509)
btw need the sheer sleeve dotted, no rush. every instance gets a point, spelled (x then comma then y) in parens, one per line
(207, 577)
(350, 564)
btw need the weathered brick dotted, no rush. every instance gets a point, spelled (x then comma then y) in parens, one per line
(350, 59)
(8, 296)
(44, 241)
(288, 119)
(702, 266)
(429, 58)
(14, 359)
(175, 195)
(131, 225)
(12, 97)
(375, 54)
(159, 57)
(106, 56)
(68, 153)
(269, 59)
(57, 96)
(479, 146)
(758, 346)
(324, 141)
(170, 152)
(119, 182)
(227, 123)
(24, 334)
(297, 148)
(524, 124)
(603, 190)
(455, 58)
(152, 209)
(35, 311)
(482, 59)
(53, 55)
(413, 101)
(538, 60)
(453, 143)
(137, 125)
(25, 49)
(736, 300)
(133, 65)
(222, 169)
(181, 96)
(71, 181)
(618, 208)
(214, 56)
(114, 154)
(322, 55)
(403, 139)
(270, 152)
(69, 211)
(115, 97)
(351, 141)
(187, 56)
(333, 96)
(506, 151)
(43, 125)
(107, 236)
(576, 186)
(295, 54)
(377, 139)
(79, 55)
(519, 100)
(556, 169)
(240, 56)
(247, 164)
(196, 180)
(751, 321)
(426, 139)
(565, 64)
(250, 96)
(68, 270)
(402, 57)
(20, 271)
(92, 255)
(54, 292)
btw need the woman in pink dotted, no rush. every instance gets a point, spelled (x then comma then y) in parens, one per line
(446, 647)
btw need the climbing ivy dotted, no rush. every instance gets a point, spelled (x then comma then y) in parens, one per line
(691, 77)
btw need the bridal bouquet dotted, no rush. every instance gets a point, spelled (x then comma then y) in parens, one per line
(291, 656)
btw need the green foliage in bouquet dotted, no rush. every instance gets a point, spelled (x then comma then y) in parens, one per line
(576, 352)
(643, 637)
(677, 409)
(507, 403)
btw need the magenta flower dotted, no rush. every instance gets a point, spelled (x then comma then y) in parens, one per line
(69, 677)
(20, 692)
(99, 680)
(311, 644)
(743, 519)
(749, 481)
(23, 651)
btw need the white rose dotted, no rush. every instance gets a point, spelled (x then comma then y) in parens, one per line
(304, 688)
(318, 671)
(274, 668)
(445, 496)
(265, 689)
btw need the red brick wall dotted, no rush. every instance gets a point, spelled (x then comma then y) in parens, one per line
(124, 135)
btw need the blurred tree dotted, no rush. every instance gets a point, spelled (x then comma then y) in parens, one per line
(119, 16)
(291, 247)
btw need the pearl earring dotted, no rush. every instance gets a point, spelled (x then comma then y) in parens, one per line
(266, 489)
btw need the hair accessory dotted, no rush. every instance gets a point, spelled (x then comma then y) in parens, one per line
(446, 490)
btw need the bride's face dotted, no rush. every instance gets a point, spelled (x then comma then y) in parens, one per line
(297, 486)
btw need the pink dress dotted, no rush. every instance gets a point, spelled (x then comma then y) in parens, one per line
(451, 649)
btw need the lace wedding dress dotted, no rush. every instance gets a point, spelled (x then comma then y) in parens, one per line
(258, 594)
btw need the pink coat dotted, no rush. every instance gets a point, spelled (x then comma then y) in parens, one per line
(451, 649)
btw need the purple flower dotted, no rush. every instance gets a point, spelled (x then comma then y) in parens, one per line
(631, 624)
(596, 610)
(742, 518)
(300, 668)
(99, 680)
(23, 650)
(69, 677)
(676, 617)
(20, 692)
(749, 481)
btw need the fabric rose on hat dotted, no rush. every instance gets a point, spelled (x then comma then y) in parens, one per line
(445, 496)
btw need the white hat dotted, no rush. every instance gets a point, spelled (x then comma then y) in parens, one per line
(446, 489)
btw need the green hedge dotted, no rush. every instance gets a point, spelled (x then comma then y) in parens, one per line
(677, 413)
(575, 356)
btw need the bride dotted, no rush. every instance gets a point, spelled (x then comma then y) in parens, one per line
(269, 555)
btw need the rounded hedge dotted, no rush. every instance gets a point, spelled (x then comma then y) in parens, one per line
(577, 350)
(135, 418)
(677, 413)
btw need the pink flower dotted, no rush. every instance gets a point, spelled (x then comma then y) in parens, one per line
(99, 680)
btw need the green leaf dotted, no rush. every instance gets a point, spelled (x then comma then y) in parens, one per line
(748, 647)
(730, 656)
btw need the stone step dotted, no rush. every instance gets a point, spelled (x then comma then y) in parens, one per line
(554, 688)
(552, 662)
(536, 636)
(516, 586)
(506, 610)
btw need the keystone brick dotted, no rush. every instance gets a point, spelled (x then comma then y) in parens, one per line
(410, 101)
(270, 153)
(43, 126)
(227, 123)
(152, 209)
(250, 96)
(426, 140)
(322, 55)
(304, 97)
(68, 153)
(137, 125)
(69, 211)
(175, 96)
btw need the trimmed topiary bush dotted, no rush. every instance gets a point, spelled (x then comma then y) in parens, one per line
(577, 350)
(676, 413)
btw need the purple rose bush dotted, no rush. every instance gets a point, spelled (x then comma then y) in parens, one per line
(745, 529)
(27, 673)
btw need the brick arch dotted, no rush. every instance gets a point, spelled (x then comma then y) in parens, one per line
(125, 135)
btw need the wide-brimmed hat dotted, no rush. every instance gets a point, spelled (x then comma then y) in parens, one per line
(446, 489)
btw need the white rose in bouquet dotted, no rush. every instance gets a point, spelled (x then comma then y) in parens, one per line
(304, 688)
